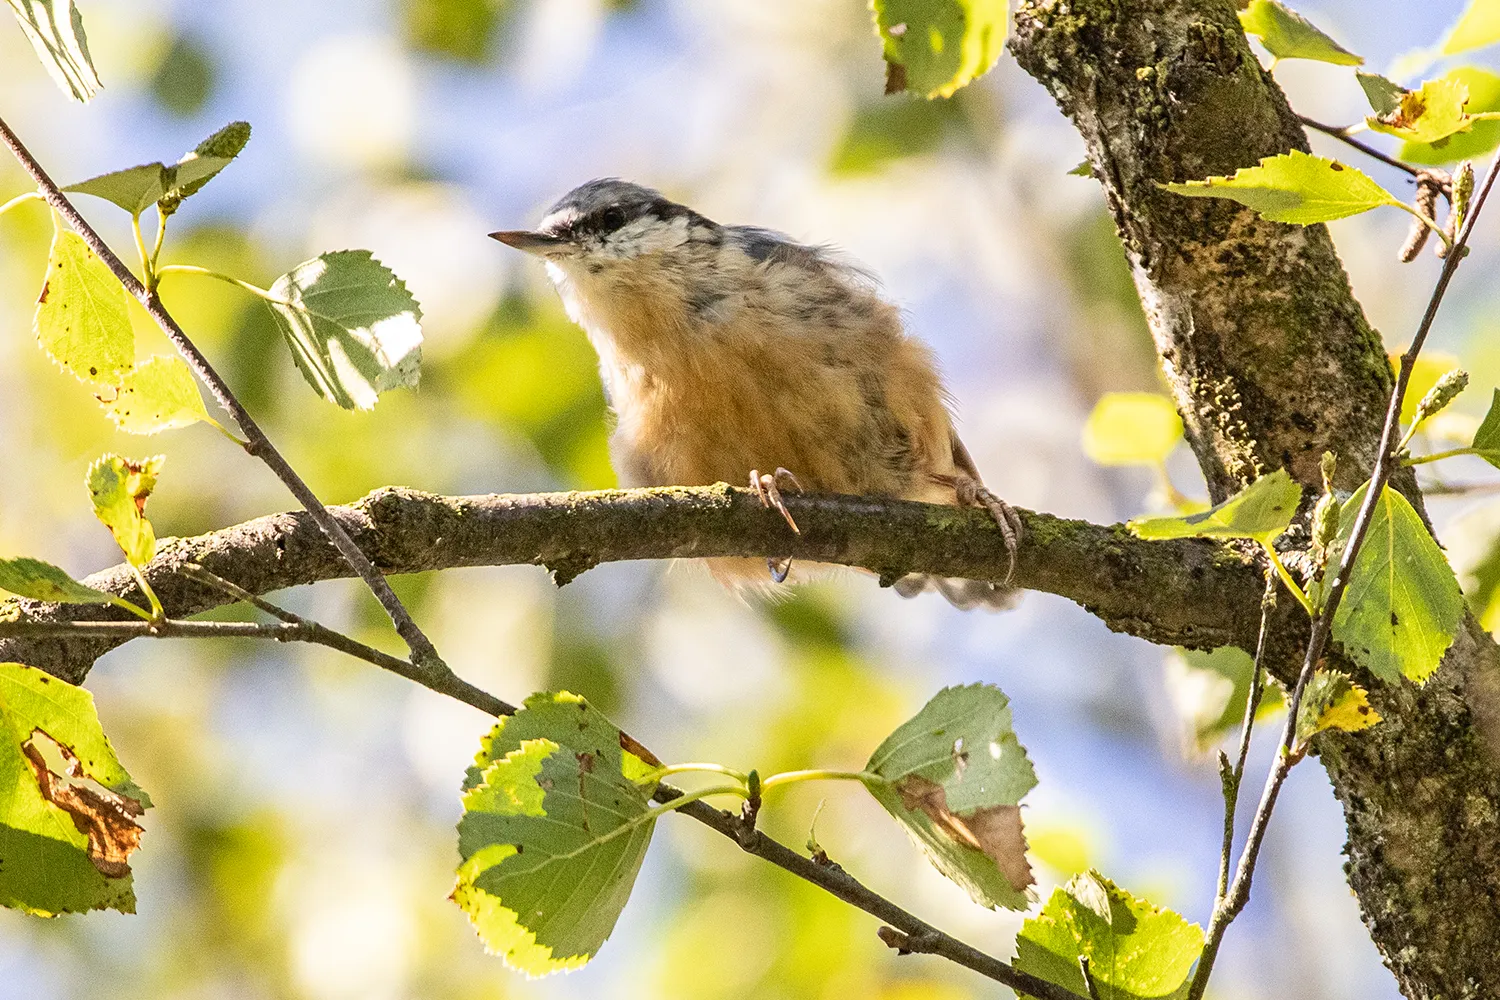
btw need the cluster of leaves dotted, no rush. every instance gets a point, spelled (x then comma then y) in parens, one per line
(1443, 120)
(558, 815)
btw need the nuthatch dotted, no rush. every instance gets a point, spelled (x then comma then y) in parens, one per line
(730, 349)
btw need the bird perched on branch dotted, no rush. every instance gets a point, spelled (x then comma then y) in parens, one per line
(727, 350)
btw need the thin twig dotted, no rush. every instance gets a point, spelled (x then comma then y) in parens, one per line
(1232, 777)
(1386, 462)
(451, 684)
(920, 936)
(290, 629)
(257, 444)
(1342, 134)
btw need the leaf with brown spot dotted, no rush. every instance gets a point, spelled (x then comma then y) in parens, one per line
(995, 830)
(953, 776)
(67, 808)
(106, 818)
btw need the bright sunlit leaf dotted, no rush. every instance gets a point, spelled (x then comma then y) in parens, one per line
(1429, 114)
(136, 189)
(954, 778)
(68, 809)
(1260, 511)
(1295, 187)
(353, 328)
(1132, 428)
(157, 395)
(119, 488)
(1402, 606)
(81, 320)
(43, 581)
(1333, 701)
(1477, 27)
(1288, 35)
(553, 833)
(1482, 136)
(55, 30)
(1135, 950)
(934, 48)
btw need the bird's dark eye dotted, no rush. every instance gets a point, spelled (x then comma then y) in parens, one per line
(612, 219)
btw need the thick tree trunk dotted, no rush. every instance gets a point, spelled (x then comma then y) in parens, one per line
(1271, 362)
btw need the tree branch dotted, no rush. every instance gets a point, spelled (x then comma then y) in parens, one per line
(1187, 592)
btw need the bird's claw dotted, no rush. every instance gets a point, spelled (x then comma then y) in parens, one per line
(765, 487)
(972, 493)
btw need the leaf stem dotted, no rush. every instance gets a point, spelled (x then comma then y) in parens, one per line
(1451, 453)
(1426, 221)
(20, 199)
(424, 654)
(158, 613)
(205, 272)
(148, 277)
(1288, 579)
(659, 773)
(817, 774)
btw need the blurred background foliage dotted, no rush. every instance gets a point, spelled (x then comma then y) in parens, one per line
(303, 841)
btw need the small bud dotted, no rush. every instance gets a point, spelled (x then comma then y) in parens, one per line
(1325, 524)
(1330, 465)
(1462, 189)
(1425, 202)
(1444, 392)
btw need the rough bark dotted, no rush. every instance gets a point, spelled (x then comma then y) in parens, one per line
(1189, 592)
(1271, 362)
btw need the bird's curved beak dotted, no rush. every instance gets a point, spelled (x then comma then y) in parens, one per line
(528, 241)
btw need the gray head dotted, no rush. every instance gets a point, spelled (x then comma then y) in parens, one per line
(609, 219)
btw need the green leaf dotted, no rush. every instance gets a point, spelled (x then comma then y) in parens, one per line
(1482, 137)
(1333, 701)
(1288, 35)
(934, 47)
(954, 775)
(1402, 606)
(65, 842)
(1132, 428)
(1477, 27)
(1260, 511)
(1135, 950)
(1428, 114)
(553, 834)
(134, 189)
(119, 488)
(1487, 438)
(188, 175)
(353, 328)
(55, 30)
(81, 320)
(157, 395)
(1295, 187)
(1384, 95)
(42, 581)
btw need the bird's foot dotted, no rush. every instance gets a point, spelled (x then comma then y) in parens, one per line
(766, 487)
(971, 492)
